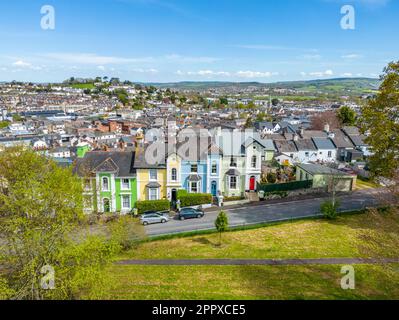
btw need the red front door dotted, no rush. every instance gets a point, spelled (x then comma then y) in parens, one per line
(252, 182)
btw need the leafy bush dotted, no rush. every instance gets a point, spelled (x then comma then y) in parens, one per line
(330, 210)
(230, 199)
(276, 194)
(156, 205)
(271, 177)
(195, 199)
(181, 193)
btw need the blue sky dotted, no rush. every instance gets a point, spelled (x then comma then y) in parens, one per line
(177, 40)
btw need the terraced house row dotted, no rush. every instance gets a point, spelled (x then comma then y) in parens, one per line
(115, 181)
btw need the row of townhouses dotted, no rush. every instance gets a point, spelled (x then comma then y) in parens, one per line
(225, 165)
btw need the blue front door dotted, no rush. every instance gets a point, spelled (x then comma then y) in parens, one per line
(214, 188)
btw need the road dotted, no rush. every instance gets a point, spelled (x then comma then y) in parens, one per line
(250, 215)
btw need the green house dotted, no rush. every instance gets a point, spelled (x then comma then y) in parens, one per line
(109, 181)
(325, 177)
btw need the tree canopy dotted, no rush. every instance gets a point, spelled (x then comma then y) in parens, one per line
(380, 120)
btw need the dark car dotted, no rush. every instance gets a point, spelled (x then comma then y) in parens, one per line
(189, 213)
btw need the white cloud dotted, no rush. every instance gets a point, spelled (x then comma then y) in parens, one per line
(320, 74)
(255, 74)
(152, 70)
(351, 56)
(311, 57)
(346, 74)
(238, 74)
(93, 59)
(22, 64)
(274, 48)
(102, 68)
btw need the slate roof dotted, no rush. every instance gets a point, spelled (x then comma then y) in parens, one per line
(153, 185)
(323, 144)
(285, 146)
(314, 169)
(358, 140)
(194, 178)
(144, 160)
(341, 140)
(120, 163)
(233, 173)
(309, 134)
(305, 145)
(351, 131)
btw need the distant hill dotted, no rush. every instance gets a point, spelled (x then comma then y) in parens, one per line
(340, 86)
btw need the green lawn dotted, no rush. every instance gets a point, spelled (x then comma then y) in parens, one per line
(84, 86)
(363, 235)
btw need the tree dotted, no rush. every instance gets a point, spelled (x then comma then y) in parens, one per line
(328, 117)
(380, 118)
(347, 116)
(275, 102)
(224, 101)
(40, 207)
(221, 224)
(330, 209)
(249, 123)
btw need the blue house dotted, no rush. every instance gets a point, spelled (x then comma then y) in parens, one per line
(214, 171)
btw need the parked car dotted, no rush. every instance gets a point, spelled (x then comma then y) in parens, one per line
(155, 217)
(189, 213)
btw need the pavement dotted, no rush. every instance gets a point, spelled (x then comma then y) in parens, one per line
(268, 212)
(258, 262)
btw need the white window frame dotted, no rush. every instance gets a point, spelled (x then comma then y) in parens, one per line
(194, 165)
(236, 183)
(173, 176)
(233, 160)
(149, 194)
(254, 164)
(103, 185)
(214, 166)
(123, 186)
(198, 184)
(87, 183)
(156, 173)
(124, 196)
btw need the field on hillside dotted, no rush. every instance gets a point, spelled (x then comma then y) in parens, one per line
(365, 235)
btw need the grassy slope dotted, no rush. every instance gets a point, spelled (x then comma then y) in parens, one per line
(345, 237)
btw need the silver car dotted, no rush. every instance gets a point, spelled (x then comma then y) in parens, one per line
(151, 218)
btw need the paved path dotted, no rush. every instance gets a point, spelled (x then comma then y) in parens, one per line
(257, 262)
(265, 213)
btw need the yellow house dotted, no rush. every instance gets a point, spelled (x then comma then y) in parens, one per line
(151, 177)
(173, 181)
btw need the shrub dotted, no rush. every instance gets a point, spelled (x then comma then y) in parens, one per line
(230, 199)
(330, 210)
(195, 199)
(156, 205)
(181, 193)
(276, 195)
(271, 177)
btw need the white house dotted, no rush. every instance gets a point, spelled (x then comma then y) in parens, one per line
(326, 150)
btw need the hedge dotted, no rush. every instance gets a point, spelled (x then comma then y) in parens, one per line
(195, 199)
(156, 205)
(290, 186)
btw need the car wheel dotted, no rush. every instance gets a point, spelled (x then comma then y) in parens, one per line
(181, 218)
(199, 216)
(163, 221)
(145, 223)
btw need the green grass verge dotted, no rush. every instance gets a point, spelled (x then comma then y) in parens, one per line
(249, 282)
(350, 236)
